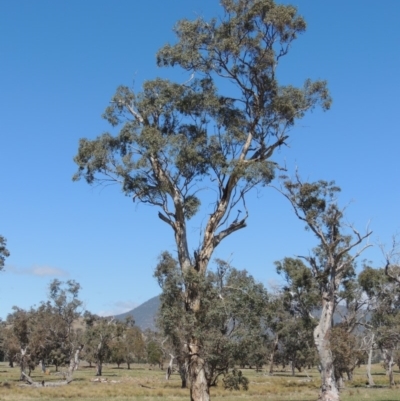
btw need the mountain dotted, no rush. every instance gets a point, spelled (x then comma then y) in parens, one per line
(144, 315)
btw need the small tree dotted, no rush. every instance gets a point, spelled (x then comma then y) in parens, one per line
(99, 335)
(155, 354)
(117, 351)
(331, 263)
(55, 322)
(21, 326)
(9, 345)
(135, 347)
(292, 313)
(346, 351)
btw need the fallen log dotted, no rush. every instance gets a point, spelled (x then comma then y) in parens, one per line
(32, 383)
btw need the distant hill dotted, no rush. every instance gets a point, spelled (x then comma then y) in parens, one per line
(144, 315)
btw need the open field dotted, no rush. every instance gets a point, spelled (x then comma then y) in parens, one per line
(141, 383)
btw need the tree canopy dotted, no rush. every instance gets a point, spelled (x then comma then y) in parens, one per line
(174, 136)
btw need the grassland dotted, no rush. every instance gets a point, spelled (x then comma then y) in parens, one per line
(144, 384)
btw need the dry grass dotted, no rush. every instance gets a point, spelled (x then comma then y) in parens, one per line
(143, 384)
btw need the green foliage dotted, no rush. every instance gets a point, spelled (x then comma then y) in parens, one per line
(135, 347)
(172, 136)
(155, 355)
(300, 294)
(46, 333)
(118, 351)
(384, 296)
(235, 380)
(230, 320)
(315, 204)
(290, 312)
(4, 253)
(346, 351)
(99, 335)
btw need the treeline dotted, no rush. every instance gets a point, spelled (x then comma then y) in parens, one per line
(242, 325)
(59, 330)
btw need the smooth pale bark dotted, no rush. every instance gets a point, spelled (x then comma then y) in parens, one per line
(74, 361)
(23, 363)
(34, 384)
(371, 382)
(168, 373)
(199, 388)
(329, 390)
(389, 362)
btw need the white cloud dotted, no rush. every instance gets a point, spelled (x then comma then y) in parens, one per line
(39, 271)
(116, 308)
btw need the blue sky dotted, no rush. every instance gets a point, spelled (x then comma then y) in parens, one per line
(61, 63)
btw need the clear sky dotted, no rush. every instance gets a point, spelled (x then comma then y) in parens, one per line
(61, 62)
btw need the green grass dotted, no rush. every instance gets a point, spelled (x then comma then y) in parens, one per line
(142, 384)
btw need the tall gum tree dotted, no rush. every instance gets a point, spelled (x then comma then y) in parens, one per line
(331, 262)
(175, 135)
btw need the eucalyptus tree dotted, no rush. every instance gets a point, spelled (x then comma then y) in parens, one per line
(45, 333)
(133, 340)
(19, 340)
(175, 135)
(292, 312)
(9, 344)
(232, 323)
(347, 352)
(4, 252)
(331, 262)
(384, 293)
(63, 310)
(99, 335)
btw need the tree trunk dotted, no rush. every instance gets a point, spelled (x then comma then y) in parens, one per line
(129, 365)
(99, 359)
(99, 368)
(388, 354)
(74, 362)
(199, 388)
(329, 390)
(274, 348)
(350, 375)
(183, 371)
(369, 375)
(23, 363)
